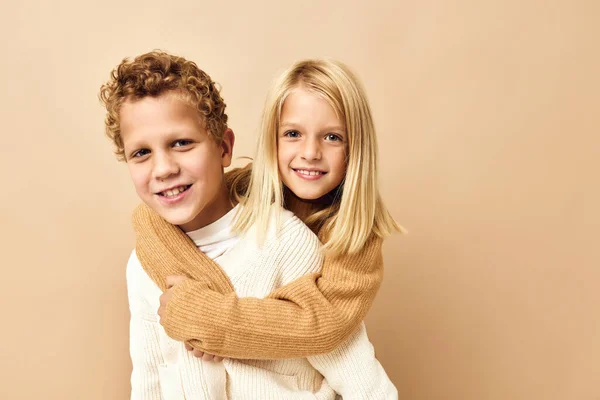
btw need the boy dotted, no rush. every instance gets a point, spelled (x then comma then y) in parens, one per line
(168, 123)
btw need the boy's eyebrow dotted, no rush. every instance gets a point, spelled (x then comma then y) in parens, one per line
(172, 134)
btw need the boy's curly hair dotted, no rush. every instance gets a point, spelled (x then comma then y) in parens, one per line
(156, 73)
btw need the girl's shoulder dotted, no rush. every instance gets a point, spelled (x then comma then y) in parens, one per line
(371, 247)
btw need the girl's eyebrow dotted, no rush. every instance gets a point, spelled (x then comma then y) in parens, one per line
(289, 125)
(336, 128)
(327, 128)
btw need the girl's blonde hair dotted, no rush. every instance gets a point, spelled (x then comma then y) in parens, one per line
(359, 211)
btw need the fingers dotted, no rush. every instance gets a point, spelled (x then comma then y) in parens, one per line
(202, 355)
(173, 280)
(163, 300)
(197, 353)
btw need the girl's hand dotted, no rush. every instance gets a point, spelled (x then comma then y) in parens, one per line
(204, 356)
(171, 281)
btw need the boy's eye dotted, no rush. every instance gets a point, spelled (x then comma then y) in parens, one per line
(181, 143)
(292, 134)
(140, 153)
(333, 137)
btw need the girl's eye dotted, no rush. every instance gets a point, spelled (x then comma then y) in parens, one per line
(181, 143)
(140, 153)
(292, 134)
(333, 137)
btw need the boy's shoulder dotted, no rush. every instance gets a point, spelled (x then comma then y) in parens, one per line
(141, 289)
(287, 251)
(284, 227)
(286, 224)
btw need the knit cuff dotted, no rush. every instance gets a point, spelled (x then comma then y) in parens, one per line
(185, 319)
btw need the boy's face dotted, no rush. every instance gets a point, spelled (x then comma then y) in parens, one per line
(176, 167)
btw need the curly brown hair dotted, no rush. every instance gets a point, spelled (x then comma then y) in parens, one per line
(153, 74)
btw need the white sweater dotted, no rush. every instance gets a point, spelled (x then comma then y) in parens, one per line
(164, 369)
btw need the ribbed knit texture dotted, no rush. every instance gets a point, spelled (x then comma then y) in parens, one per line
(311, 315)
(162, 366)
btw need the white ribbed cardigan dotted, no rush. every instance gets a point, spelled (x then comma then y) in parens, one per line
(164, 369)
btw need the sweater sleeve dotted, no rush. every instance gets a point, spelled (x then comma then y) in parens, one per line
(352, 370)
(311, 315)
(144, 343)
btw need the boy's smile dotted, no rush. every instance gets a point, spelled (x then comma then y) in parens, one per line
(173, 195)
(175, 165)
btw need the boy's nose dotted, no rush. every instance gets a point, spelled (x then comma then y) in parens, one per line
(164, 167)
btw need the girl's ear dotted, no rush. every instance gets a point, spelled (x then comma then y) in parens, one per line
(227, 147)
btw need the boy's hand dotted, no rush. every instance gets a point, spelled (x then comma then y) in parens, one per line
(204, 356)
(171, 281)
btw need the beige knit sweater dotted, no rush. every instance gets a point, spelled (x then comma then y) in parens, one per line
(311, 315)
(163, 368)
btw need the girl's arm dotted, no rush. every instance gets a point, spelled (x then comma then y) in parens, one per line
(312, 315)
(309, 316)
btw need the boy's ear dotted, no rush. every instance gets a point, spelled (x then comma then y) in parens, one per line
(227, 147)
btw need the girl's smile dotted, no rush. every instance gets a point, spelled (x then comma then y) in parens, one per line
(309, 174)
(312, 145)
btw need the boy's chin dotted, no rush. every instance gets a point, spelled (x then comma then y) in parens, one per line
(174, 220)
(174, 217)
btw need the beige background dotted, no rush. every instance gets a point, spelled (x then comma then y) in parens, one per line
(487, 113)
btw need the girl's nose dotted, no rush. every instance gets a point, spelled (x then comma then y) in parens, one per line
(311, 150)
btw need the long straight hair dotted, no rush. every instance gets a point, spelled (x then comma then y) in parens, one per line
(359, 211)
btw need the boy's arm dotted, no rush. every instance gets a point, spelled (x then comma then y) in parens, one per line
(144, 345)
(353, 371)
(312, 315)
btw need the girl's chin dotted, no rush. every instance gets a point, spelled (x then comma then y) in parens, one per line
(305, 195)
(314, 197)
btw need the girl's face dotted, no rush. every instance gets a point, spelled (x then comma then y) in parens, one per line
(312, 145)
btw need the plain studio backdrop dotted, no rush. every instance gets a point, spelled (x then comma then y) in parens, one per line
(487, 118)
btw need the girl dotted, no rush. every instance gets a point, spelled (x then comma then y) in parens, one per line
(316, 156)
